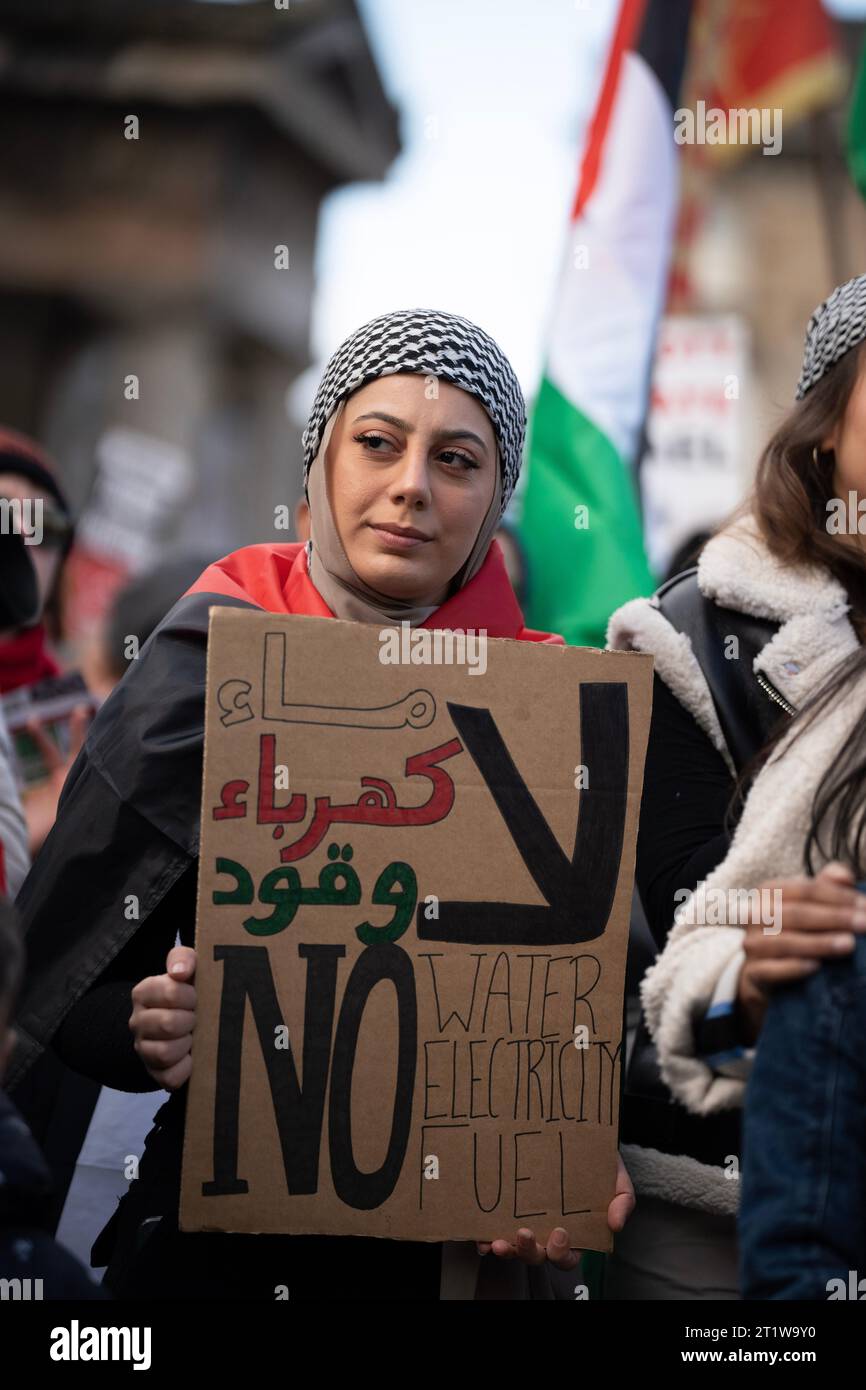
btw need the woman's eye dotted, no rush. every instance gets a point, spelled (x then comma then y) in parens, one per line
(368, 439)
(452, 457)
(461, 460)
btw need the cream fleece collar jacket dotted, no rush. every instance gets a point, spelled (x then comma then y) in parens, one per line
(738, 571)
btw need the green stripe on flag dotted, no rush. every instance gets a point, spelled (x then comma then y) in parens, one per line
(856, 137)
(577, 577)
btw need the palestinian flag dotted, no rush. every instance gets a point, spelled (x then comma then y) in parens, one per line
(580, 522)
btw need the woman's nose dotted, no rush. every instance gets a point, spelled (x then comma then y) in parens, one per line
(410, 481)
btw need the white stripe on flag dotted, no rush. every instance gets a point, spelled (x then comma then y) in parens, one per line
(603, 335)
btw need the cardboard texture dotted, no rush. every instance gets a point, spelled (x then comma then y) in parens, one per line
(414, 896)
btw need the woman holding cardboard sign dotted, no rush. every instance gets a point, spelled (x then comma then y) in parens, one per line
(412, 452)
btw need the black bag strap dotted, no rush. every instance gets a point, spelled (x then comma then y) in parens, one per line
(747, 716)
(746, 713)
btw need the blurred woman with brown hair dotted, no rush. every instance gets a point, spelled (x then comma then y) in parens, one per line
(741, 643)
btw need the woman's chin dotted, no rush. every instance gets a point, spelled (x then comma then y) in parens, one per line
(398, 578)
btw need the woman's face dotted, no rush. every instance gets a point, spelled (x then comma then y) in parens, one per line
(410, 453)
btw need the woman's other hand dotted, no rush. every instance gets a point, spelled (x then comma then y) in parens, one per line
(558, 1249)
(163, 1019)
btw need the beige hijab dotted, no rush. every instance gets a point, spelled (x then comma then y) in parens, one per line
(343, 590)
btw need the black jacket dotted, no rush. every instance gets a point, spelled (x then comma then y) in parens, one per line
(127, 827)
(28, 1253)
(128, 824)
(682, 836)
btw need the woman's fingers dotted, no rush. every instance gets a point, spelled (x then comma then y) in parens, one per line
(838, 871)
(623, 1203)
(834, 883)
(503, 1250)
(834, 877)
(168, 1060)
(166, 1023)
(176, 1076)
(766, 974)
(526, 1248)
(826, 905)
(620, 1210)
(814, 916)
(180, 963)
(163, 1019)
(832, 888)
(822, 944)
(162, 992)
(559, 1252)
(160, 1054)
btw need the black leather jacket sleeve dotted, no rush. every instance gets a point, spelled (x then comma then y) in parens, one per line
(686, 791)
(94, 1037)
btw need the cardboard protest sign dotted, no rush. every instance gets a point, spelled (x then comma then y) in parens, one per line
(415, 883)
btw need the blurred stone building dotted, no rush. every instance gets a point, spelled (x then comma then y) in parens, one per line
(763, 239)
(163, 170)
(780, 232)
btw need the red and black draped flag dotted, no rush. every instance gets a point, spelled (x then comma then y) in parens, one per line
(128, 818)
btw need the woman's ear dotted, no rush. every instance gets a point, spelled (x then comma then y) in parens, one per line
(302, 519)
(830, 441)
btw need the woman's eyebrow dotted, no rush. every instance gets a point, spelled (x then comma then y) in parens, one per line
(405, 425)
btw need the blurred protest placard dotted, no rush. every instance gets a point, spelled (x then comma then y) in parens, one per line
(691, 475)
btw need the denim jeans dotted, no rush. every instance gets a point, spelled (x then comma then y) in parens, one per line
(803, 1194)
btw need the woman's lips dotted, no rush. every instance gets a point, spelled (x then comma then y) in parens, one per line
(395, 540)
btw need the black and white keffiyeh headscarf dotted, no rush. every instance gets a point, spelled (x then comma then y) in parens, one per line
(430, 343)
(835, 327)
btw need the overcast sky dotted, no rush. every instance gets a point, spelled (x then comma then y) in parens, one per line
(493, 97)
